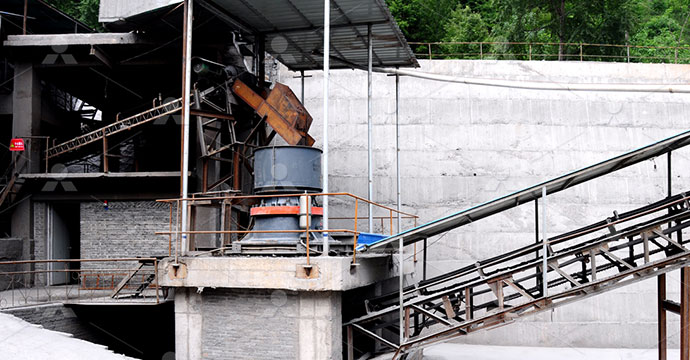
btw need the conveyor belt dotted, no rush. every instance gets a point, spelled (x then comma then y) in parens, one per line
(147, 116)
(608, 254)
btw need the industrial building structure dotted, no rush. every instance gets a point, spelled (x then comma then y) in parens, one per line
(168, 175)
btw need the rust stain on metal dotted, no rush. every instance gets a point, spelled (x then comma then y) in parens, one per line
(308, 271)
(177, 271)
(286, 115)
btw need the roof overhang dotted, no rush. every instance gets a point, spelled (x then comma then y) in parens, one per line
(292, 30)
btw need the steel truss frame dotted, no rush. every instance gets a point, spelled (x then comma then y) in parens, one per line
(618, 251)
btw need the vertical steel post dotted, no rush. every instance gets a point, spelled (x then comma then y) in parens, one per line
(661, 296)
(370, 156)
(186, 90)
(684, 313)
(424, 262)
(536, 240)
(326, 66)
(668, 174)
(397, 149)
(26, 13)
(301, 73)
(404, 325)
(544, 249)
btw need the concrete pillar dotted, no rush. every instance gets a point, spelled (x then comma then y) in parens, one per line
(26, 118)
(188, 324)
(320, 325)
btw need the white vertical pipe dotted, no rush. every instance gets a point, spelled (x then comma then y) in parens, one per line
(397, 176)
(544, 248)
(185, 120)
(370, 156)
(302, 76)
(326, 69)
(397, 149)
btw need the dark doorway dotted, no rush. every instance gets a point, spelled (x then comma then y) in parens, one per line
(63, 240)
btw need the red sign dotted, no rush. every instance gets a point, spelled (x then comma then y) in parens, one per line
(17, 145)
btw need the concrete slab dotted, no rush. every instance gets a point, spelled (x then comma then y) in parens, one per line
(285, 273)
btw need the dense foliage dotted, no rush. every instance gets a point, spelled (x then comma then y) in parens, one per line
(85, 11)
(621, 22)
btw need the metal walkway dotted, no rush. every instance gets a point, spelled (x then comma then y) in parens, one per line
(618, 251)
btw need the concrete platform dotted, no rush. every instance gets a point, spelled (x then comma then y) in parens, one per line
(278, 273)
(264, 307)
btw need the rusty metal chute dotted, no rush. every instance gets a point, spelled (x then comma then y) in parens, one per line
(286, 115)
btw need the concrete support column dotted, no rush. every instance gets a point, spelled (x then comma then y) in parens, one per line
(188, 324)
(26, 121)
(26, 118)
(320, 325)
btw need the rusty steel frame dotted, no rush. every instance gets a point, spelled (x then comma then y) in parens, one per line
(229, 199)
(496, 291)
(25, 286)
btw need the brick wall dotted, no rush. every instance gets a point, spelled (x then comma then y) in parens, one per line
(250, 324)
(10, 250)
(126, 230)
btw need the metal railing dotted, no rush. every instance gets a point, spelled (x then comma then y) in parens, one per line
(34, 282)
(498, 50)
(388, 221)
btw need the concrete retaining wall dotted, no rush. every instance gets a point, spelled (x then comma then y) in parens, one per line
(462, 145)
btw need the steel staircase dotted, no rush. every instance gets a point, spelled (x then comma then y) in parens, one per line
(618, 251)
(136, 281)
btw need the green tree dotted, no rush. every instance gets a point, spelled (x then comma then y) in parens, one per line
(85, 11)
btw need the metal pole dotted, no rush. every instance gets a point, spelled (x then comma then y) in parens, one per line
(301, 72)
(661, 313)
(397, 149)
(326, 66)
(403, 326)
(186, 88)
(26, 13)
(545, 269)
(370, 156)
(536, 240)
(668, 175)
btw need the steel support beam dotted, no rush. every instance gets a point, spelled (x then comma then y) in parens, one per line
(370, 156)
(186, 90)
(326, 73)
(684, 313)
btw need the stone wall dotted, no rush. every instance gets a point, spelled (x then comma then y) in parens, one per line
(462, 145)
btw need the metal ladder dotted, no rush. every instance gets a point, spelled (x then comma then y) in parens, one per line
(148, 277)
